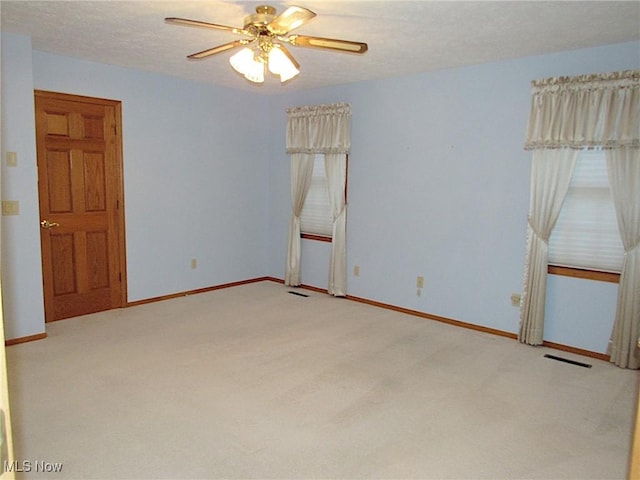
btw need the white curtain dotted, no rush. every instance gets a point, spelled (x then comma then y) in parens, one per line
(623, 165)
(311, 130)
(598, 110)
(319, 129)
(550, 176)
(568, 114)
(336, 173)
(301, 172)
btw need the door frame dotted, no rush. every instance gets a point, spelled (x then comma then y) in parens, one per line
(117, 182)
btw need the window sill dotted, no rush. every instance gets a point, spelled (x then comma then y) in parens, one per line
(587, 274)
(311, 236)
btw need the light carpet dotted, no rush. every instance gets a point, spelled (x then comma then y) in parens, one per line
(253, 382)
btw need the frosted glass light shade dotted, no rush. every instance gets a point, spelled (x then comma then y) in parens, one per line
(281, 64)
(255, 72)
(245, 63)
(240, 60)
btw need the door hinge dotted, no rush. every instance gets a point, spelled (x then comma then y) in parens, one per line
(120, 277)
(115, 129)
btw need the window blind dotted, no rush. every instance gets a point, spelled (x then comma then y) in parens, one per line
(316, 217)
(586, 234)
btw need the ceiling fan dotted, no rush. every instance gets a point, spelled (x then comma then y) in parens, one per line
(264, 44)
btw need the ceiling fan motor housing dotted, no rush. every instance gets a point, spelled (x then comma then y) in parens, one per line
(263, 16)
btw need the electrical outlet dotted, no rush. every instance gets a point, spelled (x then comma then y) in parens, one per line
(420, 282)
(194, 263)
(356, 270)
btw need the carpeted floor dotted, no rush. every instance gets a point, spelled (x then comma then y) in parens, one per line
(253, 382)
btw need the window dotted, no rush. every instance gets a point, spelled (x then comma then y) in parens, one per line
(316, 217)
(586, 235)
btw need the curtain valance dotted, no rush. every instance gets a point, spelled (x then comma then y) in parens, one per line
(319, 129)
(597, 110)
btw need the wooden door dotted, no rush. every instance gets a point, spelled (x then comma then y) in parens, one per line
(79, 151)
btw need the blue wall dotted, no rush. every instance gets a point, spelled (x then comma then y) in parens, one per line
(22, 299)
(438, 187)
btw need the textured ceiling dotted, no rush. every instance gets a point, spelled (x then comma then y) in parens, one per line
(403, 36)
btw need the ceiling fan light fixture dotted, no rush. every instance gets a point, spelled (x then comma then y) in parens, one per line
(240, 60)
(265, 46)
(255, 73)
(285, 77)
(245, 63)
(282, 63)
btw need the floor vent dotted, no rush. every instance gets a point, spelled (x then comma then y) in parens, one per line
(566, 360)
(299, 294)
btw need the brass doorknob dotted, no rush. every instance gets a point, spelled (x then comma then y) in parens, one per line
(46, 224)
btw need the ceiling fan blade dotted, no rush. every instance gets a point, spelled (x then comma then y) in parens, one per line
(292, 18)
(215, 50)
(197, 23)
(329, 43)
